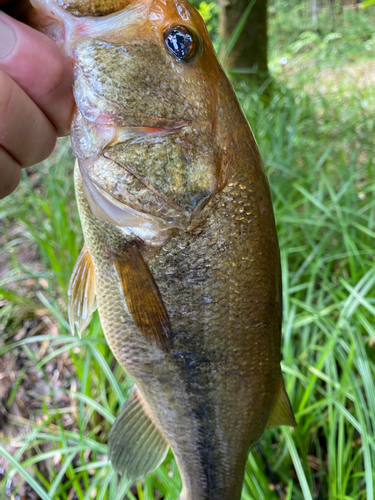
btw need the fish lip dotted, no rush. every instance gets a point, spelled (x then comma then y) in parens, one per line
(155, 125)
(150, 128)
(155, 130)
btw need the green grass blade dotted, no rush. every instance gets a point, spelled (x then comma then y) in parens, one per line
(23, 472)
(238, 29)
(108, 373)
(297, 463)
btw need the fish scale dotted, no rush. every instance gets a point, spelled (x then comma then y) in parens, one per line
(183, 258)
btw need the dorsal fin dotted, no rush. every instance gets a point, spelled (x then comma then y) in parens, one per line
(282, 412)
(136, 447)
(81, 293)
(142, 296)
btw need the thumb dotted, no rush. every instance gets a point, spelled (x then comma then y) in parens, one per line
(39, 67)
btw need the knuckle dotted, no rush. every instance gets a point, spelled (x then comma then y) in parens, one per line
(10, 186)
(10, 174)
(25, 130)
(55, 74)
(47, 147)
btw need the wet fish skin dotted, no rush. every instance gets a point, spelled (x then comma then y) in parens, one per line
(210, 248)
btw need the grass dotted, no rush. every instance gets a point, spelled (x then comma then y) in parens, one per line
(316, 138)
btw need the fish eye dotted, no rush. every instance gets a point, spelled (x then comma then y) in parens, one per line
(180, 42)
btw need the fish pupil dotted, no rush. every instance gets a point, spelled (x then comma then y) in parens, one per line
(179, 42)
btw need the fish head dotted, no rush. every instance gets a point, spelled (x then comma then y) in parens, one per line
(153, 65)
(149, 93)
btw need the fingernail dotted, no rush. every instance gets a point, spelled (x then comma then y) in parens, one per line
(7, 39)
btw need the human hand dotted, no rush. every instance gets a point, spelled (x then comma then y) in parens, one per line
(36, 99)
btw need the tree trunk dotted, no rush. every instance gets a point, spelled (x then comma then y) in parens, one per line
(250, 50)
(332, 13)
(314, 13)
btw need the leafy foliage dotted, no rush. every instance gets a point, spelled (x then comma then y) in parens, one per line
(334, 38)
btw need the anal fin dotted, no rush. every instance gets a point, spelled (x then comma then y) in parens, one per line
(142, 296)
(282, 412)
(136, 447)
(81, 293)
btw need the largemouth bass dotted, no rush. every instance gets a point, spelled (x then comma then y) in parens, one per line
(181, 254)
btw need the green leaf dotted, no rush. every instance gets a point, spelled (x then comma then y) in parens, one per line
(297, 463)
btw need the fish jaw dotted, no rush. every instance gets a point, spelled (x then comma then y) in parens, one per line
(112, 122)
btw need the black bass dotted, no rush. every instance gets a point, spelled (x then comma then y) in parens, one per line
(181, 253)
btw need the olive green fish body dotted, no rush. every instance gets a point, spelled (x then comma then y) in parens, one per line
(180, 242)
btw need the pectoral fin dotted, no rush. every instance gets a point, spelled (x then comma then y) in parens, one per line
(282, 413)
(135, 447)
(81, 293)
(142, 296)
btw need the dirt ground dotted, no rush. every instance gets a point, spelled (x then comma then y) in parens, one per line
(23, 390)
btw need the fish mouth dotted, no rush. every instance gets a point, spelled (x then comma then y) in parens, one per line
(147, 129)
(158, 128)
(152, 129)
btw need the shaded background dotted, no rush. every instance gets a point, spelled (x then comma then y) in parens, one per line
(310, 99)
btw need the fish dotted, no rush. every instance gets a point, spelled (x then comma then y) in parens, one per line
(181, 255)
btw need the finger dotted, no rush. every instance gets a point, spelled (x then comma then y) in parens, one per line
(25, 132)
(40, 68)
(10, 173)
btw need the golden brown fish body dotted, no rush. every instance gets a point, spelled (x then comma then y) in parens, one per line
(181, 244)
